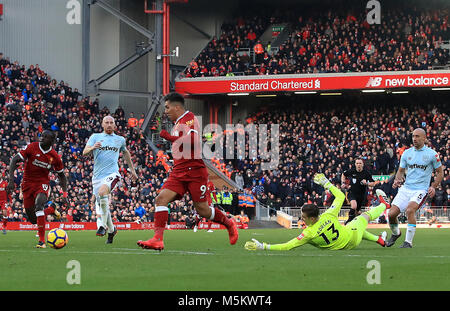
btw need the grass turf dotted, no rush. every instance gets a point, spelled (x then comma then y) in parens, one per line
(204, 261)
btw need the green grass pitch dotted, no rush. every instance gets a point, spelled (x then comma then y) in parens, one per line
(204, 261)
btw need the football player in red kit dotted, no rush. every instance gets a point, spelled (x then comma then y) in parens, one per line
(4, 199)
(189, 174)
(39, 158)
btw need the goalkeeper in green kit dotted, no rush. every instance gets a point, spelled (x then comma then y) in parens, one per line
(325, 231)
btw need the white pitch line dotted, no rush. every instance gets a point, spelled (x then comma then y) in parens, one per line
(150, 252)
(137, 252)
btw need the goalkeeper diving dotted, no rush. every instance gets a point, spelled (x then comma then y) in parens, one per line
(325, 231)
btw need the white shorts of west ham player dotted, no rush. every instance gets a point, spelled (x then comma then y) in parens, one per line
(405, 195)
(112, 181)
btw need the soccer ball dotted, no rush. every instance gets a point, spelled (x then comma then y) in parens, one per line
(57, 238)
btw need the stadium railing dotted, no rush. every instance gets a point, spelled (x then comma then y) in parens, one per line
(423, 215)
(262, 212)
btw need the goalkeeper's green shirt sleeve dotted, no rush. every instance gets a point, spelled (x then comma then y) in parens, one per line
(339, 198)
(295, 242)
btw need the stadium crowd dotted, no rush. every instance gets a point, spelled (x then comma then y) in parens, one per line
(328, 42)
(374, 129)
(31, 101)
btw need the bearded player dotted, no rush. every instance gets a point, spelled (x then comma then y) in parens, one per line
(40, 158)
(325, 231)
(106, 148)
(419, 161)
(189, 174)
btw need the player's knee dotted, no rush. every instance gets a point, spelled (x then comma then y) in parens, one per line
(39, 207)
(159, 201)
(410, 211)
(103, 191)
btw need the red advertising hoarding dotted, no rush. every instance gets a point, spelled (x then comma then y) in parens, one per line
(318, 82)
(120, 225)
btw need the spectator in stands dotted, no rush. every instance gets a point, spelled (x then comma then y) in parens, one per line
(312, 137)
(331, 42)
(140, 213)
(141, 120)
(226, 198)
(447, 198)
(258, 49)
(132, 121)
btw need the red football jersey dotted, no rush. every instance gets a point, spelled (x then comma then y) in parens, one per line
(185, 159)
(39, 162)
(3, 194)
(211, 190)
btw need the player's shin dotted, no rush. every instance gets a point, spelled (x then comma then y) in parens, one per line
(375, 212)
(394, 228)
(410, 231)
(218, 216)
(104, 207)
(40, 215)
(369, 236)
(109, 223)
(161, 217)
(5, 222)
(99, 221)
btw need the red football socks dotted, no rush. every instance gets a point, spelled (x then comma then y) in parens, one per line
(221, 218)
(41, 228)
(160, 223)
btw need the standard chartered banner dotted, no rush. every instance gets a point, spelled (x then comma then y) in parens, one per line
(312, 82)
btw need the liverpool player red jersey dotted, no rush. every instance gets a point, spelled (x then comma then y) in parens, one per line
(189, 173)
(183, 159)
(3, 194)
(38, 163)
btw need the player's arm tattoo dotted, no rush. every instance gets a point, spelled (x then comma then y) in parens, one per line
(438, 177)
(127, 156)
(400, 173)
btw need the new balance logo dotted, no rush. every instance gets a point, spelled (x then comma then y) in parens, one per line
(374, 82)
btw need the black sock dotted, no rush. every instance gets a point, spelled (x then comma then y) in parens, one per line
(351, 215)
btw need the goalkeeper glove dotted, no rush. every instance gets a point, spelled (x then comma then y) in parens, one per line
(320, 179)
(254, 245)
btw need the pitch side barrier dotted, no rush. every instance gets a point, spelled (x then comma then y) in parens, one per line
(16, 225)
(427, 217)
